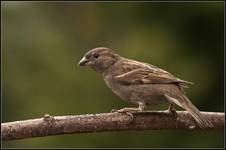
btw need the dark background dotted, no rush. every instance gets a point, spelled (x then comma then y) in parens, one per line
(43, 42)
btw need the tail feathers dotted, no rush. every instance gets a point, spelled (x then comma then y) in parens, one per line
(202, 121)
(185, 103)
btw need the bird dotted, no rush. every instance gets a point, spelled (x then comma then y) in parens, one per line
(141, 83)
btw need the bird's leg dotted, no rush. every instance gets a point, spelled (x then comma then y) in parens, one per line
(140, 108)
(172, 110)
(126, 109)
(171, 107)
(129, 111)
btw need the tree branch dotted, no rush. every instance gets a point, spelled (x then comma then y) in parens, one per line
(152, 120)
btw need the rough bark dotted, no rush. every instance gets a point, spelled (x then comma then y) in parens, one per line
(55, 125)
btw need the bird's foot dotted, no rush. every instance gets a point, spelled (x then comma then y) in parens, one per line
(132, 110)
(172, 110)
(127, 111)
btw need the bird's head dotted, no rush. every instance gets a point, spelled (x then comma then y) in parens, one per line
(99, 59)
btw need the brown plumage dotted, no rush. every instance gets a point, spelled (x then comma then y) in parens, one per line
(140, 83)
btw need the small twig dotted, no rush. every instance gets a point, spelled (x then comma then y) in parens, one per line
(49, 125)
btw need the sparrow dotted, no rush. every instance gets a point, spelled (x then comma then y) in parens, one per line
(141, 83)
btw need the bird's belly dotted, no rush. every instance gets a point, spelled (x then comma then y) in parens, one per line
(147, 93)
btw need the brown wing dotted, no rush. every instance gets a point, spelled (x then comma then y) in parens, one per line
(146, 76)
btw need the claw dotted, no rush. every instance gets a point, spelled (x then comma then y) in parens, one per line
(130, 115)
(172, 110)
(127, 111)
(174, 113)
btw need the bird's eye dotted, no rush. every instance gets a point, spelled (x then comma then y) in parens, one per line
(96, 55)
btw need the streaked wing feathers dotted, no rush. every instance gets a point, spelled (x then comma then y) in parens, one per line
(146, 76)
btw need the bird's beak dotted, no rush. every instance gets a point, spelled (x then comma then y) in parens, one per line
(83, 62)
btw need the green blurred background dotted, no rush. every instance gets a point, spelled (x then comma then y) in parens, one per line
(43, 42)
